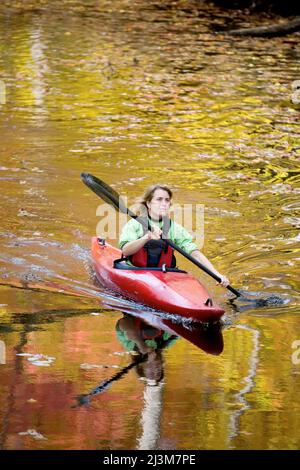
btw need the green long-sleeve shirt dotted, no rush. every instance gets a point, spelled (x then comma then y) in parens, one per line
(178, 234)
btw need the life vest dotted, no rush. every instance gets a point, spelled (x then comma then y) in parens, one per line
(155, 253)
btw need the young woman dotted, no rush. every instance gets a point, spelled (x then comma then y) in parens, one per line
(147, 247)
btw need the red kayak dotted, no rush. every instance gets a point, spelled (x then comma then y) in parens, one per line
(172, 291)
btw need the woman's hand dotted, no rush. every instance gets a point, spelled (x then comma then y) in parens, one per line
(154, 234)
(224, 280)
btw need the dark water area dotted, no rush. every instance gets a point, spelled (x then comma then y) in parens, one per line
(136, 94)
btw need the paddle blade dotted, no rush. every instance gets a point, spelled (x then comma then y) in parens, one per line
(106, 193)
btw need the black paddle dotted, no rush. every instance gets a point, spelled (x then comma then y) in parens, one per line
(110, 196)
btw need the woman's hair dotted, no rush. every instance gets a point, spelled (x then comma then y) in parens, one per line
(149, 193)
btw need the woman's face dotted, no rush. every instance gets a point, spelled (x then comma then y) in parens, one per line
(159, 205)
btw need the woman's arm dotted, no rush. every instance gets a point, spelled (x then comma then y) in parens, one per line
(132, 247)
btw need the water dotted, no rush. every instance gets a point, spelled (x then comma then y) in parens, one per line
(135, 94)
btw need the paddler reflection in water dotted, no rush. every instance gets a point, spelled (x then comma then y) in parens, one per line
(145, 340)
(144, 247)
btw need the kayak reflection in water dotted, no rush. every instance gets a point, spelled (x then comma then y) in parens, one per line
(146, 248)
(140, 338)
(145, 340)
